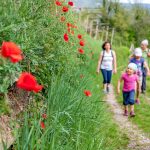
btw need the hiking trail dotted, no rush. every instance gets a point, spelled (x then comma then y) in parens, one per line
(138, 140)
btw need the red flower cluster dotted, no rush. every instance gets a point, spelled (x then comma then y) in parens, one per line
(71, 25)
(28, 82)
(81, 51)
(42, 124)
(44, 116)
(65, 9)
(87, 93)
(81, 43)
(62, 19)
(12, 51)
(70, 29)
(79, 36)
(66, 37)
(58, 3)
(70, 3)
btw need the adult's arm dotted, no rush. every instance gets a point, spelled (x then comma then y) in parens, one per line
(147, 68)
(148, 54)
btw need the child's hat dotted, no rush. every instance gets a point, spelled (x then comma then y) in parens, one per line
(145, 42)
(138, 52)
(132, 66)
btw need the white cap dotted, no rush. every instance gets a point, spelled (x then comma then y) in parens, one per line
(145, 42)
(138, 52)
(132, 66)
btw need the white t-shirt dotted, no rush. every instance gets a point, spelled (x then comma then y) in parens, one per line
(107, 60)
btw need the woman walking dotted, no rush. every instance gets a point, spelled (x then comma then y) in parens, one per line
(146, 54)
(107, 65)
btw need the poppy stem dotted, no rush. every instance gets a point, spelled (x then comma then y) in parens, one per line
(29, 66)
(40, 95)
(6, 99)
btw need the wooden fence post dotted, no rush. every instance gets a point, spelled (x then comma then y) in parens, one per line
(97, 31)
(107, 31)
(87, 23)
(103, 31)
(112, 35)
(91, 28)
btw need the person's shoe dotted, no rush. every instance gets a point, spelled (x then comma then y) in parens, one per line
(125, 113)
(132, 114)
(137, 101)
(108, 90)
(105, 91)
(143, 92)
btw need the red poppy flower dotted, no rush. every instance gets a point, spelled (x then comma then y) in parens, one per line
(79, 36)
(82, 43)
(42, 124)
(81, 51)
(69, 30)
(69, 25)
(66, 38)
(28, 82)
(44, 116)
(65, 9)
(87, 93)
(62, 19)
(58, 3)
(72, 32)
(12, 51)
(76, 27)
(70, 3)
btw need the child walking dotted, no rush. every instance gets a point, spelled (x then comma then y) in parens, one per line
(141, 64)
(130, 79)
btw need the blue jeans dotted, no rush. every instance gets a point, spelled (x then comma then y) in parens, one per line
(107, 74)
(143, 87)
(128, 98)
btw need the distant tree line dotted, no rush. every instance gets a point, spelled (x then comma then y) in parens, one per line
(131, 24)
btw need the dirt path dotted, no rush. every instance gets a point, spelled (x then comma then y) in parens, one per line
(138, 140)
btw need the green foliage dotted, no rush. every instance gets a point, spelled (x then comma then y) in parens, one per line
(131, 24)
(9, 74)
(30, 24)
(73, 120)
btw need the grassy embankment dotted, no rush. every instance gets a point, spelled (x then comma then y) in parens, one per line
(73, 121)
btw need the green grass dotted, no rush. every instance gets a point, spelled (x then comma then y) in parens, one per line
(74, 120)
(4, 107)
